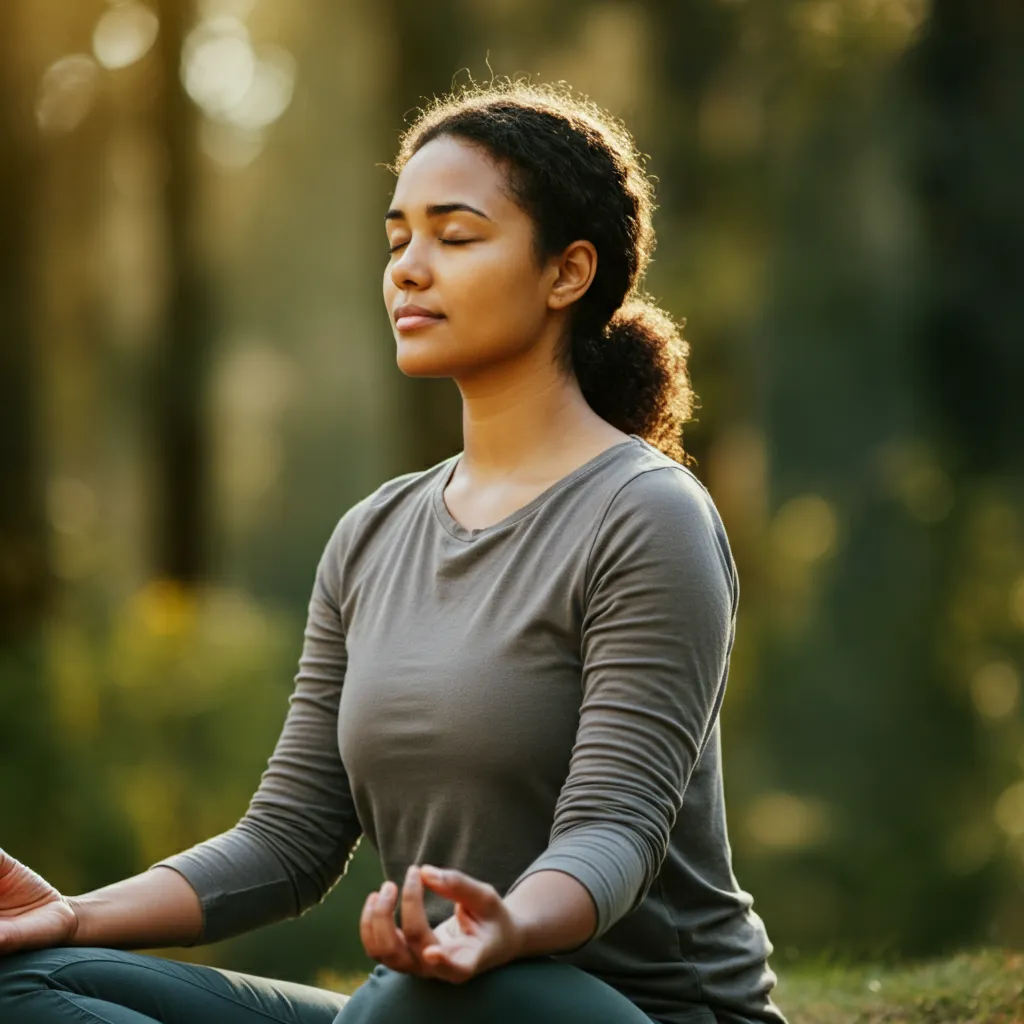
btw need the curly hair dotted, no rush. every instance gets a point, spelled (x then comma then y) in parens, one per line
(576, 171)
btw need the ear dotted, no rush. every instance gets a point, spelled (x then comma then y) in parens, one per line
(573, 272)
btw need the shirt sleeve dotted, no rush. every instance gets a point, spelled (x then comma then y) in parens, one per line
(657, 631)
(300, 830)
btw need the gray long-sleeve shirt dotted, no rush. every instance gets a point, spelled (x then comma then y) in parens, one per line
(542, 693)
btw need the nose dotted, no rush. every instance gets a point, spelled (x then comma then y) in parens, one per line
(410, 267)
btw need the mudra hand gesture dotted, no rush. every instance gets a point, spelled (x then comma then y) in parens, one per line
(480, 935)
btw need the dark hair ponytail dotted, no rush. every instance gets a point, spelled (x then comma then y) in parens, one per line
(576, 170)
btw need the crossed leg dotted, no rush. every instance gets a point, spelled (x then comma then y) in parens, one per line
(84, 985)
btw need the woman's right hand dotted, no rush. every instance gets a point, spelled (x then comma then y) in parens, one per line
(33, 914)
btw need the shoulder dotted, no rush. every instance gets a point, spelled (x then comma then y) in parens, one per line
(376, 506)
(653, 493)
(660, 514)
(657, 489)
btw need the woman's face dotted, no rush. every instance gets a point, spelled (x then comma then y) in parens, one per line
(462, 249)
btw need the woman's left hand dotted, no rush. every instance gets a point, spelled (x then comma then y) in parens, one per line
(480, 935)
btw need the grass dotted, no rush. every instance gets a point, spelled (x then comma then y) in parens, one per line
(982, 987)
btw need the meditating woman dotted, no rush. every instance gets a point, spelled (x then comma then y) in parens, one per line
(514, 660)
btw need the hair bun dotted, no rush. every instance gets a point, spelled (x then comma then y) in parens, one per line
(641, 312)
(634, 372)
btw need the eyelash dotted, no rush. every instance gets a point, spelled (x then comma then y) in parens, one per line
(443, 241)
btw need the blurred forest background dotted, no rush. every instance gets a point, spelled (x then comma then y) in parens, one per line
(198, 378)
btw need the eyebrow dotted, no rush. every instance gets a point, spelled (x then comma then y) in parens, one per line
(438, 210)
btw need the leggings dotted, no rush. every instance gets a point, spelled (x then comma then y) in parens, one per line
(82, 985)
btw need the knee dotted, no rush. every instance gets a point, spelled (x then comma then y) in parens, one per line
(20, 973)
(390, 997)
(387, 997)
(540, 990)
(15, 966)
(29, 978)
(34, 969)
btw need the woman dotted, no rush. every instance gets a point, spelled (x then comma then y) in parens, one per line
(520, 655)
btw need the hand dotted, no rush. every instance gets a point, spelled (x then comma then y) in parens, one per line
(480, 935)
(33, 915)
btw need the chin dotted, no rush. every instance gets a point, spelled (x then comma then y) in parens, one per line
(418, 360)
(418, 356)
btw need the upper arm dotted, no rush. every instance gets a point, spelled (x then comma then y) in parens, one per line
(656, 637)
(660, 595)
(659, 616)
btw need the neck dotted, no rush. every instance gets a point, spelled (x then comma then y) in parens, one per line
(517, 419)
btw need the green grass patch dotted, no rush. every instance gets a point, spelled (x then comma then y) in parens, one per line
(980, 987)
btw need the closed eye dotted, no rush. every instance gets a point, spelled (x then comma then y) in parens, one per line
(443, 241)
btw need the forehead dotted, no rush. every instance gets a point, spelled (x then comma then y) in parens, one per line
(450, 170)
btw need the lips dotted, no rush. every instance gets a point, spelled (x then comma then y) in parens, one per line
(407, 316)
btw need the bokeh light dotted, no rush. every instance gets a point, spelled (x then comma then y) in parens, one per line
(124, 34)
(66, 93)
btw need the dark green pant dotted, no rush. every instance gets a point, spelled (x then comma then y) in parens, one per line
(70, 985)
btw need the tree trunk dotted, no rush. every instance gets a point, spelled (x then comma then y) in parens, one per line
(180, 372)
(25, 579)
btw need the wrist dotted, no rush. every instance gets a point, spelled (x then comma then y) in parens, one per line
(518, 934)
(552, 913)
(78, 931)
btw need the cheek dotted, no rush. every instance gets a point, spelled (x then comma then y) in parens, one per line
(496, 295)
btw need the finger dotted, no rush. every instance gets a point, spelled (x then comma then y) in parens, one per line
(372, 943)
(365, 930)
(438, 963)
(415, 926)
(395, 952)
(454, 964)
(479, 896)
(382, 924)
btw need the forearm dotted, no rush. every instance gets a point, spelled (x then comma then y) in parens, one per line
(153, 909)
(553, 913)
